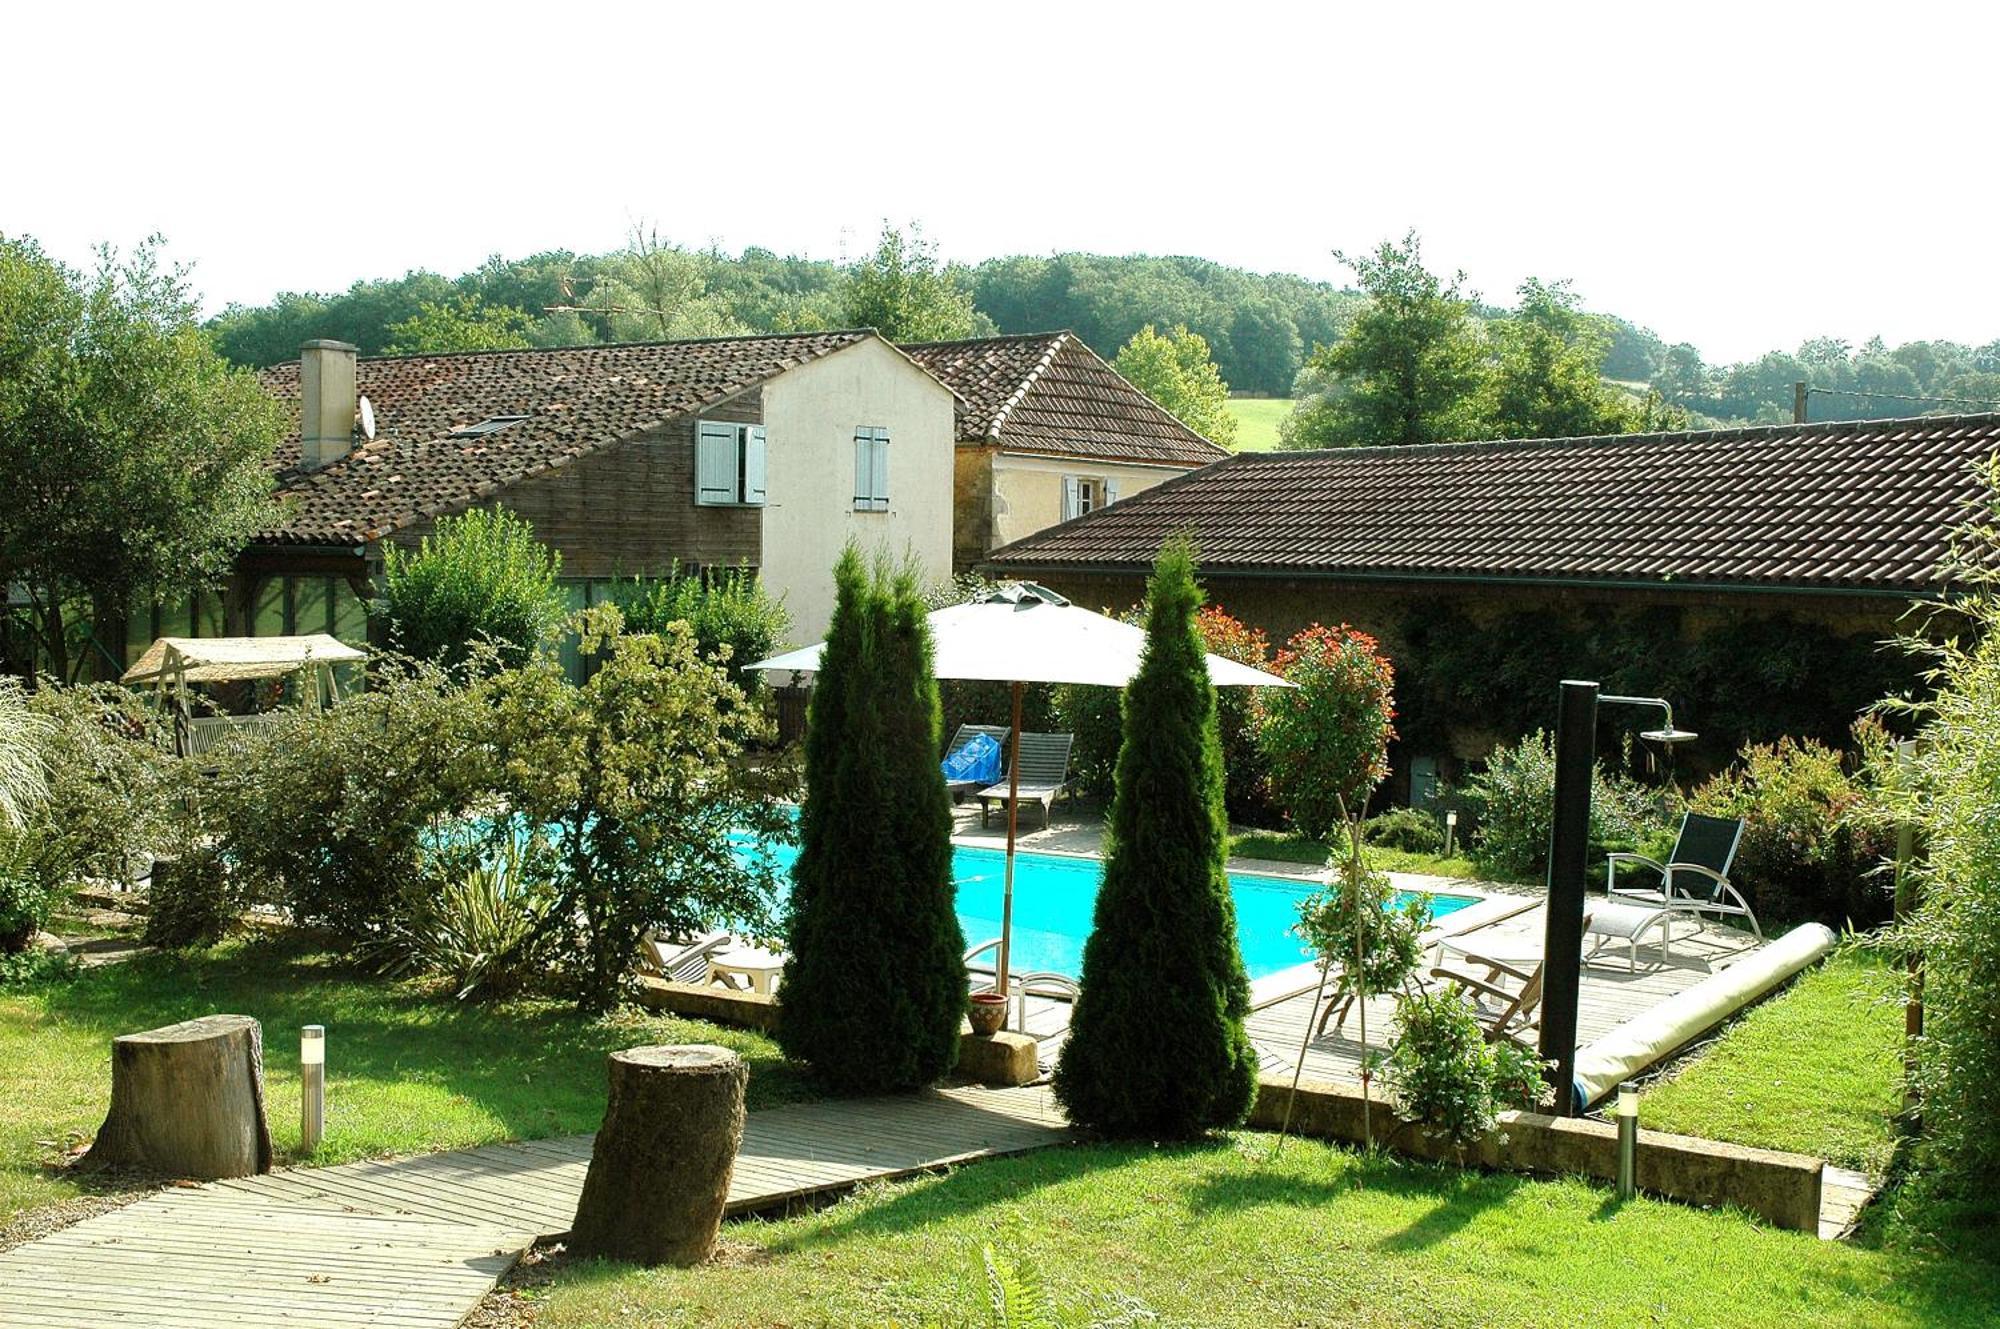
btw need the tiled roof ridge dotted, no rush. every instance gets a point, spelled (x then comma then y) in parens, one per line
(852, 333)
(1027, 384)
(1748, 433)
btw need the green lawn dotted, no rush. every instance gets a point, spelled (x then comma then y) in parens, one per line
(407, 1070)
(1257, 421)
(1224, 1235)
(1287, 847)
(1816, 1070)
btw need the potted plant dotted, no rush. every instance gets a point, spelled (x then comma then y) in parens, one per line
(987, 1011)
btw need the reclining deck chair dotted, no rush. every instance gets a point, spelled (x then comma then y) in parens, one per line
(1695, 878)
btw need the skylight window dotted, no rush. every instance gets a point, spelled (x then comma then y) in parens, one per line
(491, 425)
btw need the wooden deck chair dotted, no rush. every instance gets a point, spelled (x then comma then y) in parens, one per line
(1044, 775)
(1695, 878)
(1510, 1013)
(958, 789)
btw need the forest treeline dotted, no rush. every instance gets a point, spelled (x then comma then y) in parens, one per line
(1261, 328)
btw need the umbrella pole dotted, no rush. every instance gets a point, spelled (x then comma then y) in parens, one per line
(1013, 821)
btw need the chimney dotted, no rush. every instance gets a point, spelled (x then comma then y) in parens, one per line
(327, 397)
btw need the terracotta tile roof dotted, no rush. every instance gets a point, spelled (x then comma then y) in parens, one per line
(1048, 393)
(576, 400)
(1860, 505)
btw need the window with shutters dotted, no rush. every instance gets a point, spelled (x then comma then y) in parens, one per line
(728, 464)
(1086, 493)
(871, 469)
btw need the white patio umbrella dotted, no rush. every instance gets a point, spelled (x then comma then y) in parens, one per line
(1020, 633)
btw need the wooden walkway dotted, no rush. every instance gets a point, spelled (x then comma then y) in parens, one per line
(414, 1243)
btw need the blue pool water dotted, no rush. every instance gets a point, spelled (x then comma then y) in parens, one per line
(1055, 894)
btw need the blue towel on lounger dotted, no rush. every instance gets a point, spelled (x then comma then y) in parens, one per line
(978, 762)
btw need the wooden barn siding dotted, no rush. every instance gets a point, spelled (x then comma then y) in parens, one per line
(629, 509)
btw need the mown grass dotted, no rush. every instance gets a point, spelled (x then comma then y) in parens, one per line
(1257, 421)
(1289, 847)
(1226, 1235)
(408, 1069)
(1817, 1070)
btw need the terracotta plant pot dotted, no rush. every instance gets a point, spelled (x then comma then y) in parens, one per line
(987, 1011)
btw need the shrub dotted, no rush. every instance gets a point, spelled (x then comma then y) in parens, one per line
(191, 903)
(1444, 1074)
(1246, 790)
(24, 770)
(1515, 797)
(1806, 852)
(875, 990)
(114, 792)
(1157, 1046)
(1952, 795)
(476, 919)
(329, 815)
(1326, 738)
(478, 577)
(1095, 716)
(1411, 830)
(26, 900)
(1339, 927)
(734, 619)
(624, 791)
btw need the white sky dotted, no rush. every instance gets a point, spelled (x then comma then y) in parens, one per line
(1739, 175)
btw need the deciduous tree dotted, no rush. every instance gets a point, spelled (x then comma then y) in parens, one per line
(901, 291)
(463, 323)
(1410, 367)
(134, 460)
(1176, 371)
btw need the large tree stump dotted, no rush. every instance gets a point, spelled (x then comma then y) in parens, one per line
(188, 1101)
(659, 1172)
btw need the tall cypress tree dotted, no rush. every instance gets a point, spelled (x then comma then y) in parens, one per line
(1156, 1045)
(876, 987)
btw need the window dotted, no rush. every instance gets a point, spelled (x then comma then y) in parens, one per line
(871, 469)
(728, 464)
(1086, 493)
(490, 425)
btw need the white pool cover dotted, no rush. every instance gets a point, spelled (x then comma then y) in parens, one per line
(1651, 1037)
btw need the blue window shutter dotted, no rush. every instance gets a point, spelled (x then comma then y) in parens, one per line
(715, 463)
(753, 464)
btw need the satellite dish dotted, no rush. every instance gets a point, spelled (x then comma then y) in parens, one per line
(367, 419)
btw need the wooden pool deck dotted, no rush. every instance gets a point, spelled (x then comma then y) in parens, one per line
(1608, 995)
(415, 1243)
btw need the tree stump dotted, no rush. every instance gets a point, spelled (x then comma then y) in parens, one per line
(187, 1101)
(659, 1171)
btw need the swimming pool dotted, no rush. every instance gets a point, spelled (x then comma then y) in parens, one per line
(1055, 895)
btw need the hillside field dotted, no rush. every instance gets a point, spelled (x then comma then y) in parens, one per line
(1257, 421)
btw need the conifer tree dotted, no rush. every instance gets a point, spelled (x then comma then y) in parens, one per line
(1156, 1046)
(876, 986)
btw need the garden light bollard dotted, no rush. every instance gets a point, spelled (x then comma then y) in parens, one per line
(1450, 831)
(312, 1086)
(1628, 1140)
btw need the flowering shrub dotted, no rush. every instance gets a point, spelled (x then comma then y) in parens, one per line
(1806, 852)
(1326, 739)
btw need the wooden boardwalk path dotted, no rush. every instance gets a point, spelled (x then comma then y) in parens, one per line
(414, 1243)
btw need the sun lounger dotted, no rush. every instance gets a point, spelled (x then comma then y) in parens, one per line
(1044, 775)
(682, 959)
